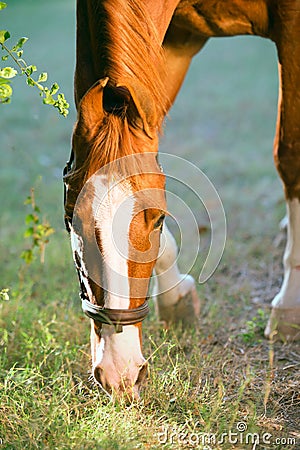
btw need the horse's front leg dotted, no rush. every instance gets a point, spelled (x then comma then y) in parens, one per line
(285, 316)
(174, 293)
(284, 322)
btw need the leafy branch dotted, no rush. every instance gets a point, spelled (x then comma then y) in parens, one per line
(39, 231)
(50, 95)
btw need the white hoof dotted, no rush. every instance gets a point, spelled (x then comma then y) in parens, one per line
(180, 304)
(284, 324)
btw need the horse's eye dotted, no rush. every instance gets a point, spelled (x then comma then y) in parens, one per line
(159, 222)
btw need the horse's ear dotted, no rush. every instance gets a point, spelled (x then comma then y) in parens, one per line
(128, 99)
(90, 109)
(131, 100)
(141, 106)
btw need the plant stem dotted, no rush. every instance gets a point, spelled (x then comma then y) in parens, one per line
(22, 65)
(16, 60)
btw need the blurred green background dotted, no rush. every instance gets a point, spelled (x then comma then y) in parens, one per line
(35, 140)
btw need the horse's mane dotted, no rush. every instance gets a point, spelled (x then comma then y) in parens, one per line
(133, 50)
(130, 53)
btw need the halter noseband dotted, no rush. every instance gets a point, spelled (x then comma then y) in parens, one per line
(116, 317)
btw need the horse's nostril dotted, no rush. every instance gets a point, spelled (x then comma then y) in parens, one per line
(97, 374)
(100, 378)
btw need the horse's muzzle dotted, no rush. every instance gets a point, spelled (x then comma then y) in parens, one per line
(122, 387)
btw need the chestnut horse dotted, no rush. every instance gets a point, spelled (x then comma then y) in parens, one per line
(132, 57)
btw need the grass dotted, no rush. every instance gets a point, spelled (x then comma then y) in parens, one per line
(204, 382)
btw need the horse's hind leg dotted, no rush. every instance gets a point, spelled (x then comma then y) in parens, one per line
(175, 294)
(284, 322)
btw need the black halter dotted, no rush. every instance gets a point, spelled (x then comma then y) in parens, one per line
(116, 317)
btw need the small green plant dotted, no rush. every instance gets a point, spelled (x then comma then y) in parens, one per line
(50, 95)
(37, 230)
(4, 296)
(254, 326)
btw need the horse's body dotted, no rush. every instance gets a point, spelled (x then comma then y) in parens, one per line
(132, 57)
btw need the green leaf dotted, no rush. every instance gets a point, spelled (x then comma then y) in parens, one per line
(4, 294)
(27, 255)
(30, 81)
(29, 232)
(48, 100)
(30, 69)
(5, 92)
(42, 77)
(5, 101)
(19, 44)
(5, 57)
(8, 72)
(28, 200)
(29, 218)
(4, 35)
(54, 88)
(4, 81)
(2, 5)
(40, 229)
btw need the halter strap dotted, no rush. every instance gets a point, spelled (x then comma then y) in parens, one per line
(66, 171)
(116, 317)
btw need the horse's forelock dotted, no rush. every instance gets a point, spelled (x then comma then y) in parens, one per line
(121, 114)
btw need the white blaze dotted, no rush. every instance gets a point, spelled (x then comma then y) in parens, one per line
(118, 355)
(114, 237)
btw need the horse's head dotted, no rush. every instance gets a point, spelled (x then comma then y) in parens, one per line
(115, 224)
